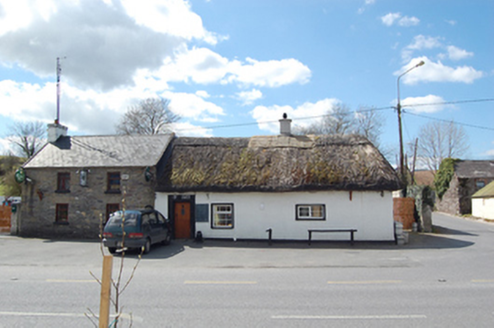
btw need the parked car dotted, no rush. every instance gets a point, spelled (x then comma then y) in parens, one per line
(143, 228)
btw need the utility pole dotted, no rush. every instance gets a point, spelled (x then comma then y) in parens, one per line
(398, 109)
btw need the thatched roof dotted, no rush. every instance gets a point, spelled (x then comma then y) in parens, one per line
(276, 163)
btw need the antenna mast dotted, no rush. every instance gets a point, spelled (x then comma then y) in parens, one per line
(59, 73)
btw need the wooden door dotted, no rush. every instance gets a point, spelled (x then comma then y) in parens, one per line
(182, 220)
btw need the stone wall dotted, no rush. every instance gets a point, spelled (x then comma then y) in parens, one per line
(85, 203)
(458, 199)
(450, 202)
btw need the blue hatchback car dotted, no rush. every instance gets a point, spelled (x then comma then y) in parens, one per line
(136, 229)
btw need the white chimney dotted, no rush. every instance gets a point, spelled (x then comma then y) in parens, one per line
(285, 126)
(56, 131)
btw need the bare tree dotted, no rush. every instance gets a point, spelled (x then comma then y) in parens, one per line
(150, 116)
(369, 123)
(27, 137)
(440, 140)
(338, 120)
(8, 166)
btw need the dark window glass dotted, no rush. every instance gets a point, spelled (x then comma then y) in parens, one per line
(62, 214)
(63, 181)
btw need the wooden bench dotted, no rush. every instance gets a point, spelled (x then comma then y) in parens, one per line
(351, 231)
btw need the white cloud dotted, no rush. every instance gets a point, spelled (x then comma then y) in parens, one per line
(173, 17)
(267, 116)
(408, 21)
(455, 53)
(366, 3)
(111, 46)
(204, 66)
(421, 43)
(203, 94)
(188, 129)
(437, 72)
(418, 104)
(272, 73)
(392, 18)
(192, 106)
(248, 97)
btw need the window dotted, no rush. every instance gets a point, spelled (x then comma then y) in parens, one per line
(222, 216)
(62, 215)
(63, 182)
(113, 182)
(311, 212)
(111, 208)
(480, 184)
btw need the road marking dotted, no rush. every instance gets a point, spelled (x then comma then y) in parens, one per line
(364, 282)
(72, 315)
(42, 314)
(198, 282)
(351, 317)
(482, 280)
(69, 280)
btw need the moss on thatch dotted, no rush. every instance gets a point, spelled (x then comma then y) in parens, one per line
(276, 163)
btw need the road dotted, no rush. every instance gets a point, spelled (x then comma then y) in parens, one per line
(443, 279)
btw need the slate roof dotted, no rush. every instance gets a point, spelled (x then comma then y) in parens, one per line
(474, 169)
(486, 192)
(276, 163)
(102, 151)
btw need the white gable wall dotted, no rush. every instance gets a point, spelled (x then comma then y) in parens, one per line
(483, 207)
(370, 212)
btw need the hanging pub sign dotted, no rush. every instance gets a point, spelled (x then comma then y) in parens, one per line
(20, 175)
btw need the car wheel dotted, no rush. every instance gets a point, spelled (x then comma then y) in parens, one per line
(168, 238)
(112, 250)
(147, 246)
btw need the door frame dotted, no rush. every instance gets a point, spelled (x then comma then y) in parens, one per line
(191, 199)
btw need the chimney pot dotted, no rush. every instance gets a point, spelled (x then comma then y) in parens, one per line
(285, 125)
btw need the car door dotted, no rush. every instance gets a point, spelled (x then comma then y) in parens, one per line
(156, 228)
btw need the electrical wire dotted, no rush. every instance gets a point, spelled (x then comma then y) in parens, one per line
(369, 109)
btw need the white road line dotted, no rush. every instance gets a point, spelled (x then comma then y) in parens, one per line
(364, 282)
(48, 314)
(70, 280)
(41, 314)
(351, 317)
(199, 282)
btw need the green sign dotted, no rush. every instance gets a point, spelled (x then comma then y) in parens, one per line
(14, 208)
(20, 175)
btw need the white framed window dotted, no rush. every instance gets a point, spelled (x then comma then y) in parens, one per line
(311, 212)
(222, 216)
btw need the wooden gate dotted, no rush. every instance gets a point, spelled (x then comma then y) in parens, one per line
(5, 214)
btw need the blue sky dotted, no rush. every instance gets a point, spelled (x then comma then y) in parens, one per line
(230, 68)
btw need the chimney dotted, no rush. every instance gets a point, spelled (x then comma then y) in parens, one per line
(56, 131)
(285, 126)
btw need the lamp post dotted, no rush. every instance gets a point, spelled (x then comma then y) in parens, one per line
(398, 109)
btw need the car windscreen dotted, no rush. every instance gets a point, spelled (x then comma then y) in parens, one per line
(130, 219)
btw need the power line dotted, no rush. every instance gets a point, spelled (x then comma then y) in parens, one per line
(451, 121)
(363, 110)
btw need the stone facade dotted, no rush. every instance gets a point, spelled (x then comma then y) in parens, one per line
(458, 198)
(85, 203)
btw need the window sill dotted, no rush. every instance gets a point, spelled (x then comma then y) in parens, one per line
(61, 223)
(113, 192)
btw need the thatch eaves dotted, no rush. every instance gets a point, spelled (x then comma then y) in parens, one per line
(276, 163)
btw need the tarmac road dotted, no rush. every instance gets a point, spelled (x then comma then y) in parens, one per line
(442, 279)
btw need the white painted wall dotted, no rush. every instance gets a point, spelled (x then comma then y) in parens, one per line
(254, 212)
(483, 207)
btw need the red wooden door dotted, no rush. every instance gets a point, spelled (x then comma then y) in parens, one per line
(182, 220)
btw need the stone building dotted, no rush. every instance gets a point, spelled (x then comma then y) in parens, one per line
(469, 177)
(74, 182)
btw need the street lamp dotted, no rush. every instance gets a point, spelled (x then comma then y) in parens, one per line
(398, 109)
